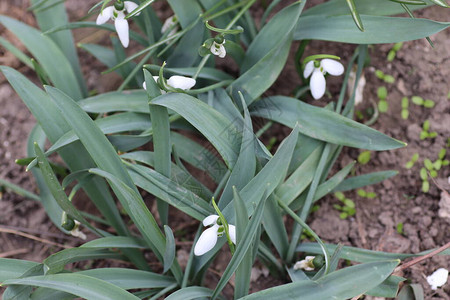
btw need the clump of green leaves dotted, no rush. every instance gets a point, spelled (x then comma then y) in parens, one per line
(432, 168)
(382, 95)
(393, 52)
(347, 208)
(413, 160)
(385, 77)
(405, 106)
(425, 133)
(364, 194)
(424, 177)
(428, 103)
(364, 157)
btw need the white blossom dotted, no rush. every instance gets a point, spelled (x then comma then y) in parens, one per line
(208, 238)
(76, 232)
(118, 16)
(170, 22)
(438, 278)
(305, 264)
(177, 82)
(317, 82)
(218, 49)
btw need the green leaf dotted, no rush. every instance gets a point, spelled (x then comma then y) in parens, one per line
(14, 268)
(56, 16)
(133, 101)
(115, 242)
(16, 52)
(343, 284)
(355, 14)
(411, 292)
(81, 285)
(169, 253)
(323, 124)
(191, 293)
(363, 180)
(48, 55)
(377, 29)
(170, 191)
(362, 255)
(364, 157)
(222, 133)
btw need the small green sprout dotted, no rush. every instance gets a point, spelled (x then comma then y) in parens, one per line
(393, 52)
(362, 193)
(382, 95)
(400, 228)
(428, 103)
(364, 157)
(386, 78)
(425, 131)
(405, 106)
(413, 160)
(348, 207)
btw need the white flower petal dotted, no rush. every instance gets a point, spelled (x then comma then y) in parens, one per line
(210, 220)
(317, 84)
(232, 232)
(332, 67)
(169, 22)
(218, 49)
(309, 68)
(122, 30)
(181, 82)
(207, 241)
(438, 278)
(105, 15)
(130, 6)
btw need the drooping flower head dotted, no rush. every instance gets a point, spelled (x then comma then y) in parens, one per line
(305, 264)
(170, 23)
(218, 49)
(208, 238)
(319, 69)
(176, 82)
(438, 278)
(116, 13)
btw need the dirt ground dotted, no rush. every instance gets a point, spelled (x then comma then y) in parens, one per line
(418, 70)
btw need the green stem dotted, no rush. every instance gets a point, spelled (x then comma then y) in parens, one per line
(201, 65)
(240, 13)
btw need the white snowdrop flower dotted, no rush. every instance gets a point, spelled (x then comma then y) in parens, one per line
(218, 49)
(177, 82)
(118, 16)
(208, 238)
(305, 264)
(169, 23)
(318, 71)
(438, 278)
(76, 232)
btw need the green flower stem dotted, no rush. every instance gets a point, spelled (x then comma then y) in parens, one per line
(222, 12)
(201, 65)
(308, 229)
(240, 13)
(225, 226)
(209, 87)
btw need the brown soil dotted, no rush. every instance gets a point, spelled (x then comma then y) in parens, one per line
(418, 70)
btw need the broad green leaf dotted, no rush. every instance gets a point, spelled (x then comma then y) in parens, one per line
(191, 293)
(343, 284)
(269, 37)
(377, 29)
(274, 226)
(323, 124)
(129, 278)
(388, 288)
(133, 101)
(169, 253)
(411, 292)
(55, 263)
(16, 52)
(365, 7)
(170, 191)
(363, 180)
(81, 285)
(56, 16)
(115, 242)
(48, 54)
(14, 268)
(362, 255)
(222, 133)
